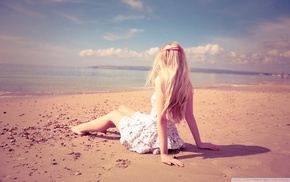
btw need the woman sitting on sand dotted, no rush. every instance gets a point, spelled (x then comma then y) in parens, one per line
(172, 102)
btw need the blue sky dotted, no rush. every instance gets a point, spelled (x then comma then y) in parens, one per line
(245, 35)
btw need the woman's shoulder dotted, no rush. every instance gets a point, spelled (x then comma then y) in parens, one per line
(158, 84)
(157, 80)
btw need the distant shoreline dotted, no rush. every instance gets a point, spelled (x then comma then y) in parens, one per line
(275, 87)
(193, 70)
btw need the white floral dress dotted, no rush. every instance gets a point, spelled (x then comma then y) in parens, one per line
(139, 132)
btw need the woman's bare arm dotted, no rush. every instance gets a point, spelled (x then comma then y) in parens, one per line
(191, 121)
(162, 127)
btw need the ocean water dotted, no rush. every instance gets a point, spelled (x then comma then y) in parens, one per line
(27, 80)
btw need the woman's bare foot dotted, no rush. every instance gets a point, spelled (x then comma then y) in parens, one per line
(76, 130)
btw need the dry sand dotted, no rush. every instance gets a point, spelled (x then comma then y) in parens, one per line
(250, 125)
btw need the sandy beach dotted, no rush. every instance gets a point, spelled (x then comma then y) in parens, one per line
(250, 124)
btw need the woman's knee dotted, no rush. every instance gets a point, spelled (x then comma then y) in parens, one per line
(115, 116)
(121, 108)
(125, 110)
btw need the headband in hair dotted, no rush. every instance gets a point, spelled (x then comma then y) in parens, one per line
(173, 49)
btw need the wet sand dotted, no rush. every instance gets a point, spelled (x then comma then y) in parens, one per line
(251, 125)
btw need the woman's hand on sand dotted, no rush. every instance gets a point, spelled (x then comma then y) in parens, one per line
(209, 146)
(166, 159)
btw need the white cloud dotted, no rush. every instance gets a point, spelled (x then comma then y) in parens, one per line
(86, 52)
(111, 37)
(111, 52)
(214, 49)
(232, 54)
(256, 56)
(195, 54)
(274, 53)
(209, 49)
(152, 51)
(267, 60)
(238, 60)
(135, 4)
(121, 53)
(286, 54)
(205, 54)
(135, 30)
(71, 18)
(123, 35)
(126, 17)
(210, 54)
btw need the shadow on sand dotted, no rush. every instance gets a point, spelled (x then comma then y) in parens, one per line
(226, 151)
(191, 151)
(110, 135)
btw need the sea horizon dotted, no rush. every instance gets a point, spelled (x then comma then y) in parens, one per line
(35, 80)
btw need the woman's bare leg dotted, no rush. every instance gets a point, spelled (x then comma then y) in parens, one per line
(100, 124)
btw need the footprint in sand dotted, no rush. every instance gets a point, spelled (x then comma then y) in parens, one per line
(122, 163)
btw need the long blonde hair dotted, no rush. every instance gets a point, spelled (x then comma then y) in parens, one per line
(171, 67)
